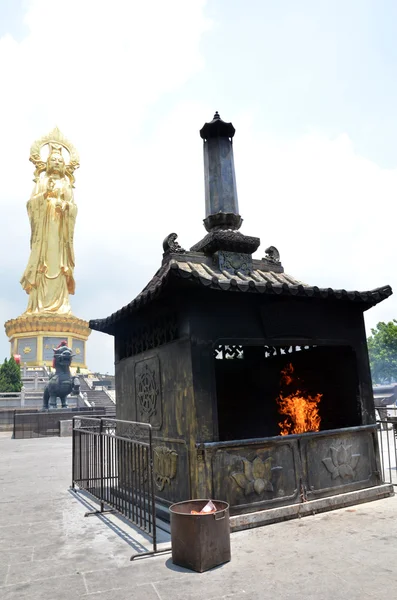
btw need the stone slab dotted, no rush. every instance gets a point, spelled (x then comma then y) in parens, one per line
(144, 592)
(61, 588)
(293, 511)
(66, 428)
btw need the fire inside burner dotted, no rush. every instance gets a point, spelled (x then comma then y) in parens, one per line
(299, 407)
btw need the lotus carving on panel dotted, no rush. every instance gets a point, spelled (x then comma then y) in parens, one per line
(165, 466)
(342, 462)
(255, 476)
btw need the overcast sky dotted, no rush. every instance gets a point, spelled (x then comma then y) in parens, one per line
(310, 86)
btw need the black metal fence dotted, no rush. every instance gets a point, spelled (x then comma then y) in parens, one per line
(387, 438)
(35, 424)
(113, 462)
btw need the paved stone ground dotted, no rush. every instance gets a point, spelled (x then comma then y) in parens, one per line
(50, 551)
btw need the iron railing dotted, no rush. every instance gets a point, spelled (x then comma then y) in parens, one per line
(113, 462)
(387, 438)
(40, 423)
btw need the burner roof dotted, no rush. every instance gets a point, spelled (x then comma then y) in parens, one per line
(264, 278)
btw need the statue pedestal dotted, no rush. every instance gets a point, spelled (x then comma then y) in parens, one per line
(33, 337)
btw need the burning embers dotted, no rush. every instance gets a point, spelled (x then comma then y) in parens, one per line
(299, 407)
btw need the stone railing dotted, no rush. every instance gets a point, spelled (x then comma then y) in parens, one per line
(12, 399)
(33, 399)
(111, 394)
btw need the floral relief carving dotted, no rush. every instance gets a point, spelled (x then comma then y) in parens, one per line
(165, 463)
(342, 463)
(256, 475)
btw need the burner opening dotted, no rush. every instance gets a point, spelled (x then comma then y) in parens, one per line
(272, 390)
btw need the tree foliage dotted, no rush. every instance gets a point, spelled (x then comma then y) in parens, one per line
(10, 376)
(382, 348)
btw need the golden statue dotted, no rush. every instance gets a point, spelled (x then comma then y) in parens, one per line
(48, 277)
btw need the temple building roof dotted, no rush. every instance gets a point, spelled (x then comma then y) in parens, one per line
(264, 278)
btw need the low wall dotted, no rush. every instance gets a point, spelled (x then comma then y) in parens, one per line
(32, 400)
(253, 475)
(47, 423)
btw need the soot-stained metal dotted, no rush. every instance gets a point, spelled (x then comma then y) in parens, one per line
(202, 349)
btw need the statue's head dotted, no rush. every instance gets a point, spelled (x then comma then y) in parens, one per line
(55, 161)
(63, 356)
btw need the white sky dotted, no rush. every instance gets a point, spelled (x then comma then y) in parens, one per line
(312, 95)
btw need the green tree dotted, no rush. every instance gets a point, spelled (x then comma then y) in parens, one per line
(10, 376)
(382, 349)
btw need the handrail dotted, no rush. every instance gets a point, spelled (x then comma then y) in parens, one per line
(104, 389)
(116, 468)
(87, 381)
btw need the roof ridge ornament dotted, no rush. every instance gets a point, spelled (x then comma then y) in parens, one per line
(171, 246)
(272, 255)
(217, 128)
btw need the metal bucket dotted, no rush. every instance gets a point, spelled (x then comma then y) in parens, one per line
(200, 542)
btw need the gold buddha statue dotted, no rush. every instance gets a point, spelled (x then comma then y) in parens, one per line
(48, 277)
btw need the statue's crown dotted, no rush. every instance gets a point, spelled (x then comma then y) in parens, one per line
(54, 149)
(56, 141)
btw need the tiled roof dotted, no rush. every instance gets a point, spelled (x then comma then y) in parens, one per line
(259, 280)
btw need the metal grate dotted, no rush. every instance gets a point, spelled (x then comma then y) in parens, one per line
(113, 461)
(387, 440)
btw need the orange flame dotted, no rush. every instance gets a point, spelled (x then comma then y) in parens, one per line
(300, 408)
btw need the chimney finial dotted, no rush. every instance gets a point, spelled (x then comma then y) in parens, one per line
(221, 204)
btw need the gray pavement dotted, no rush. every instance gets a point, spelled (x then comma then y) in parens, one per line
(49, 551)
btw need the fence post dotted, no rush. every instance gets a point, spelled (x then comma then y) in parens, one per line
(151, 481)
(101, 462)
(36, 381)
(73, 451)
(22, 396)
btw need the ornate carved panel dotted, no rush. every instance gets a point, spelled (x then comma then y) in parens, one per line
(148, 397)
(338, 462)
(78, 350)
(165, 463)
(27, 348)
(234, 262)
(171, 470)
(237, 350)
(256, 476)
(271, 351)
(281, 471)
(228, 352)
(160, 331)
(48, 344)
(139, 432)
(342, 463)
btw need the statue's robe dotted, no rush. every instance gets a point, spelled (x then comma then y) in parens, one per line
(48, 277)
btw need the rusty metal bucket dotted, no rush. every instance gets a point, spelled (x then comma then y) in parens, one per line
(200, 542)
